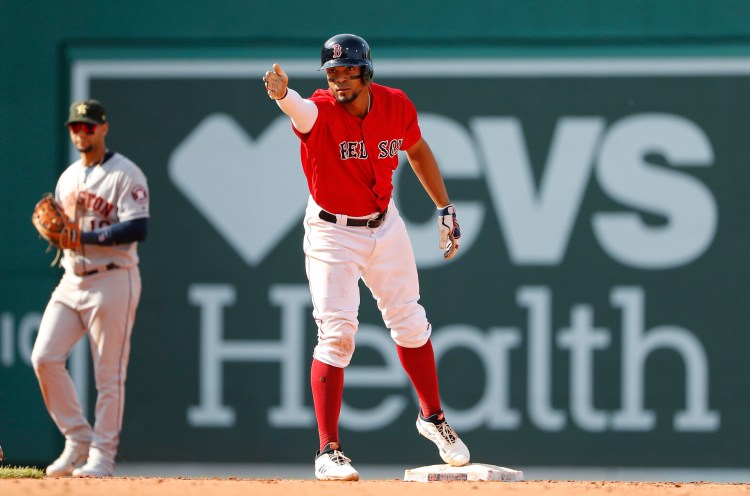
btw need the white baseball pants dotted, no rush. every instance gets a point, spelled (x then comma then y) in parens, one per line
(103, 305)
(336, 257)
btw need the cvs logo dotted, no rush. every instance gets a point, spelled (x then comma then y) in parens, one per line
(537, 219)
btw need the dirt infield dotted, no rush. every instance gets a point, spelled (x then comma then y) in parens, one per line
(127, 486)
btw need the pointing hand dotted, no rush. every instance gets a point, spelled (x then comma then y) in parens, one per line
(276, 83)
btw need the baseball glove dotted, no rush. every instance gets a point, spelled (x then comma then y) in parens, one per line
(53, 224)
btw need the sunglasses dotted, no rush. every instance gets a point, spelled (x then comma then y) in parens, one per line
(76, 127)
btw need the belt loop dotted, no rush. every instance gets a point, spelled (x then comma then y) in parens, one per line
(341, 219)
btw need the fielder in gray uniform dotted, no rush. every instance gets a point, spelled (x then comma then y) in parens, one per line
(107, 196)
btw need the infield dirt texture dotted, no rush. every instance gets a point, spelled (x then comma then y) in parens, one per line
(126, 486)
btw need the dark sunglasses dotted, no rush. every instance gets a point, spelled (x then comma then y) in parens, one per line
(76, 127)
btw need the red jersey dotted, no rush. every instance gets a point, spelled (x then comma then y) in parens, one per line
(348, 161)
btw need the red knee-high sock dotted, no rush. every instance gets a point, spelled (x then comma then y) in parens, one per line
(419, 364)
(327, 384)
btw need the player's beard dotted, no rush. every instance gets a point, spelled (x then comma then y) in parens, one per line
(349, 99)
(85, 145)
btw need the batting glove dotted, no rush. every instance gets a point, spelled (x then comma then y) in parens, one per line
(449, 230)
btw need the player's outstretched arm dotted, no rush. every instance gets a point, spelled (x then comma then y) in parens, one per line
(303, 112)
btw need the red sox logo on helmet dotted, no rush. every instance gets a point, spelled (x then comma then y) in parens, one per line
(336, 51)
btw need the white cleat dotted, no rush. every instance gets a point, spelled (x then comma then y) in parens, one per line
(95, 468)
(332, 465)
(452, 450)
(72, 456)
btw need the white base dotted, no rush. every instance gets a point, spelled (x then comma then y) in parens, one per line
(470, 472)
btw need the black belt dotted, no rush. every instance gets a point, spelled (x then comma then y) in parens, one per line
(374, 222)
(110, 266)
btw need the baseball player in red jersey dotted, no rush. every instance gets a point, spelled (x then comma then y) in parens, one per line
(350, 137)
(107, 194)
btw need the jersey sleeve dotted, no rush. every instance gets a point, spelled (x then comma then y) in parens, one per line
(323, 101)
(133, 202)
(66, 192)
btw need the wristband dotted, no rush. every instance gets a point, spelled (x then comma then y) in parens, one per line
(444, 210)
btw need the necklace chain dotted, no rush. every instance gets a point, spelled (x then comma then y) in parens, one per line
(100, 162)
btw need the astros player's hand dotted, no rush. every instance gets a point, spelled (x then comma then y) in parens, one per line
(276, 82)
(449, 230)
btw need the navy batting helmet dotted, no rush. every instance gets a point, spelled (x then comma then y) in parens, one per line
(347, 50)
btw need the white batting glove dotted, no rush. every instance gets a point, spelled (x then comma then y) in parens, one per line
(449, 230)
(276, 82)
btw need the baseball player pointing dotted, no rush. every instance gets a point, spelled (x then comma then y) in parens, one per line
(350, 136)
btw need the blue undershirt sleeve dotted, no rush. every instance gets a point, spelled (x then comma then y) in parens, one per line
(117, 234)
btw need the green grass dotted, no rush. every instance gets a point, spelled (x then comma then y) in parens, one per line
(10, 472)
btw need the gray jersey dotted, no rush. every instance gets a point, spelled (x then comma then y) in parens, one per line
(98, 196)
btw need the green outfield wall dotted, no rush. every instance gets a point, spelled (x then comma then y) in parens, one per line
(597, 157)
